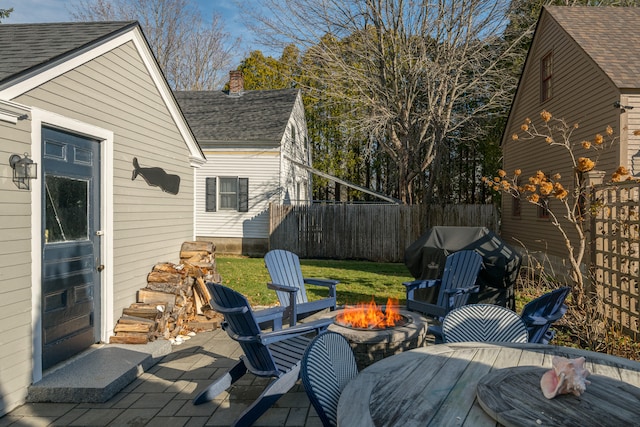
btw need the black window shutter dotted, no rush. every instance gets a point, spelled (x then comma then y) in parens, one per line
(211, 195)
(243, 194)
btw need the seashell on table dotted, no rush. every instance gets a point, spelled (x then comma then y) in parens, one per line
(567, 376)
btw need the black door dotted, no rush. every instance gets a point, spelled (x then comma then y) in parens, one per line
(71, 247)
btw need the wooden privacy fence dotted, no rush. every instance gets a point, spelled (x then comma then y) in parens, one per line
(373, 232)
(615, 253)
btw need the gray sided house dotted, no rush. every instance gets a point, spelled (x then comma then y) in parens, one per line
(583, 66)
(256, 146)
(113, 195)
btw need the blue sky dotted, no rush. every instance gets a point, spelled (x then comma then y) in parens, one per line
(28, 11)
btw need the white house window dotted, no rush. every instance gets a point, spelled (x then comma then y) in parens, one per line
(227, 193)
(293, 135)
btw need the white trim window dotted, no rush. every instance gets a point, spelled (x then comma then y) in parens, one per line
(227, 193)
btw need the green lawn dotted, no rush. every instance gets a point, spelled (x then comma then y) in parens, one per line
(360, 281)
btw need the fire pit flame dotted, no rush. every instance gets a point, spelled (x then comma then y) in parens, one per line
(370, 316)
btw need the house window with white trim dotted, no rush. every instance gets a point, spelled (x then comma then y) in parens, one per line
(227, 193)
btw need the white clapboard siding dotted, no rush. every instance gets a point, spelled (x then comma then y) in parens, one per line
(15, 267)
(115, 92)
(262, 168)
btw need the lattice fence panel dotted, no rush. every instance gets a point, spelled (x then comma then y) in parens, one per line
(615, 253)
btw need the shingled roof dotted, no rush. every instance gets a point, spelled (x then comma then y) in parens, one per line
(609, 35)
(27, 47)
(256, 117)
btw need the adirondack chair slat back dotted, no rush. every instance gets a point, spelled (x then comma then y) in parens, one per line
(460, 271)
(550, 306)
(242, 326)
(284, 269)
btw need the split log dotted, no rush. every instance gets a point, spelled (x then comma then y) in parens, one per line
(190, 249)
(202, 290)
(135, 320)
(147, 311)
(166, 267)
(164, 277)
(132, 327)
(153, 297)
(170, 288)
(129, 338)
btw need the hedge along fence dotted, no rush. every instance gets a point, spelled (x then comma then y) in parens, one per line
(375, 232)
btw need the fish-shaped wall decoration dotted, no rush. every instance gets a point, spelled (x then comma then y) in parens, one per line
(157, 177)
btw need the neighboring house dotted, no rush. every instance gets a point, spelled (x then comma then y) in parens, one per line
(256, 147)
(113, 196)
(582, 66)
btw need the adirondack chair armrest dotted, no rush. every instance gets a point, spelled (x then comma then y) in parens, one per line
(283, 288)
(421, 284)
(541, 320)
(273, 314)
(460, 291)
(292, 308)
(330, 283)
(535, 320)
(316, 326)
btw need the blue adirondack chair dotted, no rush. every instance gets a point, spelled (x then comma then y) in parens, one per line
(457, 283)
(287, 281)
(539, 314)
(275, 354)
(483, 323)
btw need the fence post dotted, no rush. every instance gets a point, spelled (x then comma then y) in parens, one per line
(593, 179)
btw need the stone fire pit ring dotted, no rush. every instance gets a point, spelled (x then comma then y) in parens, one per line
(372, 345)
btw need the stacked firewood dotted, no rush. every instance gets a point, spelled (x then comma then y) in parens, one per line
(175, 302)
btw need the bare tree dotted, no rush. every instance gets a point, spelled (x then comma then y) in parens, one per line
(415, 71)
(194, 55)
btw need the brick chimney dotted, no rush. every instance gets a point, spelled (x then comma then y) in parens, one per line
(236, 82)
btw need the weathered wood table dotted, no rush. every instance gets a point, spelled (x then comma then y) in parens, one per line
(436, 386)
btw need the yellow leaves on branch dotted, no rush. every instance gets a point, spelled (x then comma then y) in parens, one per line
(541, 186)
(556, 131)
(620, 173)
(585, 164)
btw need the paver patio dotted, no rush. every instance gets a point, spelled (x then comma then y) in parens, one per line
(163, 394)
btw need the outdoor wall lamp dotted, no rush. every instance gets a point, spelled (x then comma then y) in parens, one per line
(24, 170)
(622, 108)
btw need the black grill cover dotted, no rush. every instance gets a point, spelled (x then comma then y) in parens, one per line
(425, 259)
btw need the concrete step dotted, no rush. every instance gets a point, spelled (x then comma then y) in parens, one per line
(97, 374)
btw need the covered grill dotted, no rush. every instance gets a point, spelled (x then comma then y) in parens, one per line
(426, 256)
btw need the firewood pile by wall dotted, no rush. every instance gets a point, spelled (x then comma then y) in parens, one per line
(175, 303)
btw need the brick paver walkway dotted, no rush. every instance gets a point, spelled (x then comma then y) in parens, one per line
(162, 395)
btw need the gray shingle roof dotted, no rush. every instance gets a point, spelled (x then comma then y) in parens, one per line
(609, 35)
(25, 47)
(256, 116)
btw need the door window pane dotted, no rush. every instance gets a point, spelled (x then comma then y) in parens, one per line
(66, 209)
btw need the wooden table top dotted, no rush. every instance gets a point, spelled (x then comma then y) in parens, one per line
(436, 385)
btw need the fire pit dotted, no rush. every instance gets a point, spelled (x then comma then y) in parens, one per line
(370, 316)
(373, 343)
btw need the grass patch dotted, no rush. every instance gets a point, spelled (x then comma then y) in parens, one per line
(360, 281)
